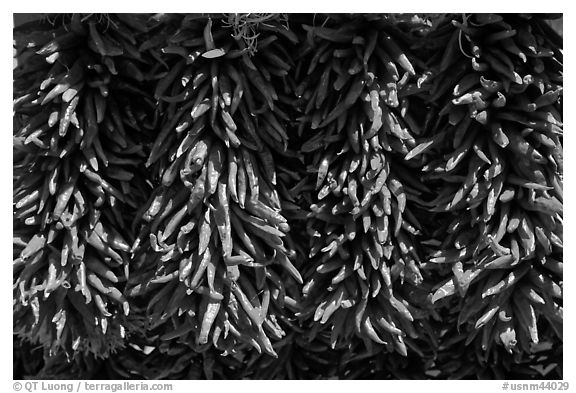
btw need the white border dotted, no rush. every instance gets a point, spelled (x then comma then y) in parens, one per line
(294, 6)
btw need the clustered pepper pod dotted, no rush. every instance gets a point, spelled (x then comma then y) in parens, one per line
(228, 196)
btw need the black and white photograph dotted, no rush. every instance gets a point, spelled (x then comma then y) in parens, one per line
(287, 196)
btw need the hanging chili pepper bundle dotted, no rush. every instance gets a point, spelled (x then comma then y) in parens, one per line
(350, 80)
(494, 155)
(214, 221)
(83, 116)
